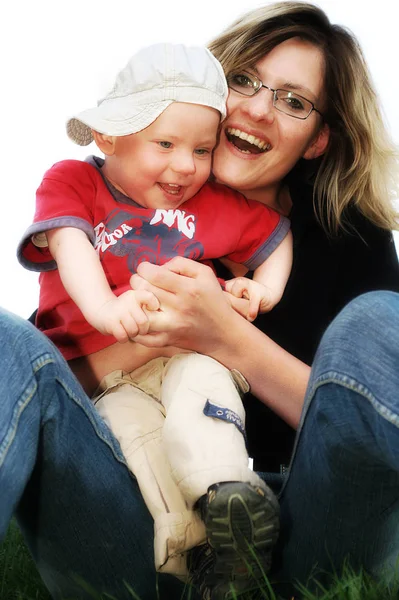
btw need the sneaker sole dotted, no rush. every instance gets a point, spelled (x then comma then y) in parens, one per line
(242, 525)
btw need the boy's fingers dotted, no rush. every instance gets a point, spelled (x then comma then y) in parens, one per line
(239, 288)
(253, 309)
(120, 333)
(149, 300)
(138, 322)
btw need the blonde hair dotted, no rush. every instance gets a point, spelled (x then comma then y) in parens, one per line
(360, 164)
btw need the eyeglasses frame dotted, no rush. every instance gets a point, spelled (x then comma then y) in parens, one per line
(275, 98)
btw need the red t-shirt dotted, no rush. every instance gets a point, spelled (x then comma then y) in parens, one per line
(216, 222)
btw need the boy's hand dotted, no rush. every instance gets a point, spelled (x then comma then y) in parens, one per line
(258, 295)
(123, 316)
(240, 305)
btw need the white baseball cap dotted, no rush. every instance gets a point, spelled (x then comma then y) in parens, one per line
(153, 78)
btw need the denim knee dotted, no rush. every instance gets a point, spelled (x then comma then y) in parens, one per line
(366, 329)
(360, 351)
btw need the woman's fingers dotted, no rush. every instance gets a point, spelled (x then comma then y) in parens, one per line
(153, 340)
(188, 267)
(193, 308)
(138, 283)
(174, 275)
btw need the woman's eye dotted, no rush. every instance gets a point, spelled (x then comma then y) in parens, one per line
(294, 103)
(165, 144)
(241, 80)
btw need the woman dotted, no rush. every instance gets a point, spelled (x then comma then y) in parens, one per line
(347, 188)
(79, 508)
(332, 174)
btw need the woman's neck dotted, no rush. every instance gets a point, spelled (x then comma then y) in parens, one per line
(278, 199)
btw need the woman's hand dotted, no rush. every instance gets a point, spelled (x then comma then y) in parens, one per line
(194, 312)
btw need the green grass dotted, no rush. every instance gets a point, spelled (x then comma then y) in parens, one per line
(19, 580)
(352, 586)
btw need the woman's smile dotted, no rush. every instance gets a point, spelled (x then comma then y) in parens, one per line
(246, 142)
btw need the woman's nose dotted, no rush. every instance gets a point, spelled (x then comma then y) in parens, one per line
(260, 106)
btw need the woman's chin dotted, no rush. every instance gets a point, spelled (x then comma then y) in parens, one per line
(226, 170)
(227, 176)
(236, 171)
(233, 174)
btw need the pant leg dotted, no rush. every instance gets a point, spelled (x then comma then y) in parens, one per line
(203, 432)
(62, 472)
(341, 498)
(130, 406)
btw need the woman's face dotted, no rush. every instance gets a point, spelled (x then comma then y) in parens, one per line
(295, 65)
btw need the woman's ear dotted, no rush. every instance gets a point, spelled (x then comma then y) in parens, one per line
(319, 144)
(105, 143)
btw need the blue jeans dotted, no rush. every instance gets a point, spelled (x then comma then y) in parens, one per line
(63, 474)
(340, 500)
(81, 511)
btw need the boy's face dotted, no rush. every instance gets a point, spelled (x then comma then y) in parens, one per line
(166, 164)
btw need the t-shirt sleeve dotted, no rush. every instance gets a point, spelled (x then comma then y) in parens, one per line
(262, 229)
(65, 198)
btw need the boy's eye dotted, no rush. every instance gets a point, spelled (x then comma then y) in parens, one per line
(201, 151)
(165, 144)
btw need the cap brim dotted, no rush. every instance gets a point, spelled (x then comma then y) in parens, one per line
(130, 119)
(127, 115)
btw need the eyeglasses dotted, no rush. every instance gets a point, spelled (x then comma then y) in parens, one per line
(284, 101)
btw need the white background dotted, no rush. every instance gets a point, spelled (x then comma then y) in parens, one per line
(59, 57)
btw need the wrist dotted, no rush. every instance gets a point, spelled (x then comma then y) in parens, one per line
(94, 309)
(234, 335)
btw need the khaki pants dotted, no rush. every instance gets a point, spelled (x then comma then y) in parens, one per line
(175, 450)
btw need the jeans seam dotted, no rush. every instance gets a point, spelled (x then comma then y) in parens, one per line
(17, 413)
(121, 459)
(37, 364)
(21, 405)
(41, 362)
(359, 388)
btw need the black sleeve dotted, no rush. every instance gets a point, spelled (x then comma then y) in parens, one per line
(367, 261)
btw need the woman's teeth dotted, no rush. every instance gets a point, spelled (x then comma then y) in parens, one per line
(251, 140)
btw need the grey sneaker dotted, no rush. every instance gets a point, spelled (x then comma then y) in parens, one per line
(242, 524)
(201, 562)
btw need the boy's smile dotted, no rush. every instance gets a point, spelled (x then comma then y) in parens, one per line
(167, 163)
(174, 190)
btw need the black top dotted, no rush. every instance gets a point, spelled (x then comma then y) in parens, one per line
(327, 273)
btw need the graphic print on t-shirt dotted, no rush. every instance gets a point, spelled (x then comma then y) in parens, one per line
(155, 237)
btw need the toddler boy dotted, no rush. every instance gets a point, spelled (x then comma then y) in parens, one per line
(178, 416)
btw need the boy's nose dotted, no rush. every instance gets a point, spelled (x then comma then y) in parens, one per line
(184, 164)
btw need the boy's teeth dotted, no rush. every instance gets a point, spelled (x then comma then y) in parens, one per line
(251, 139)
(172, 188)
